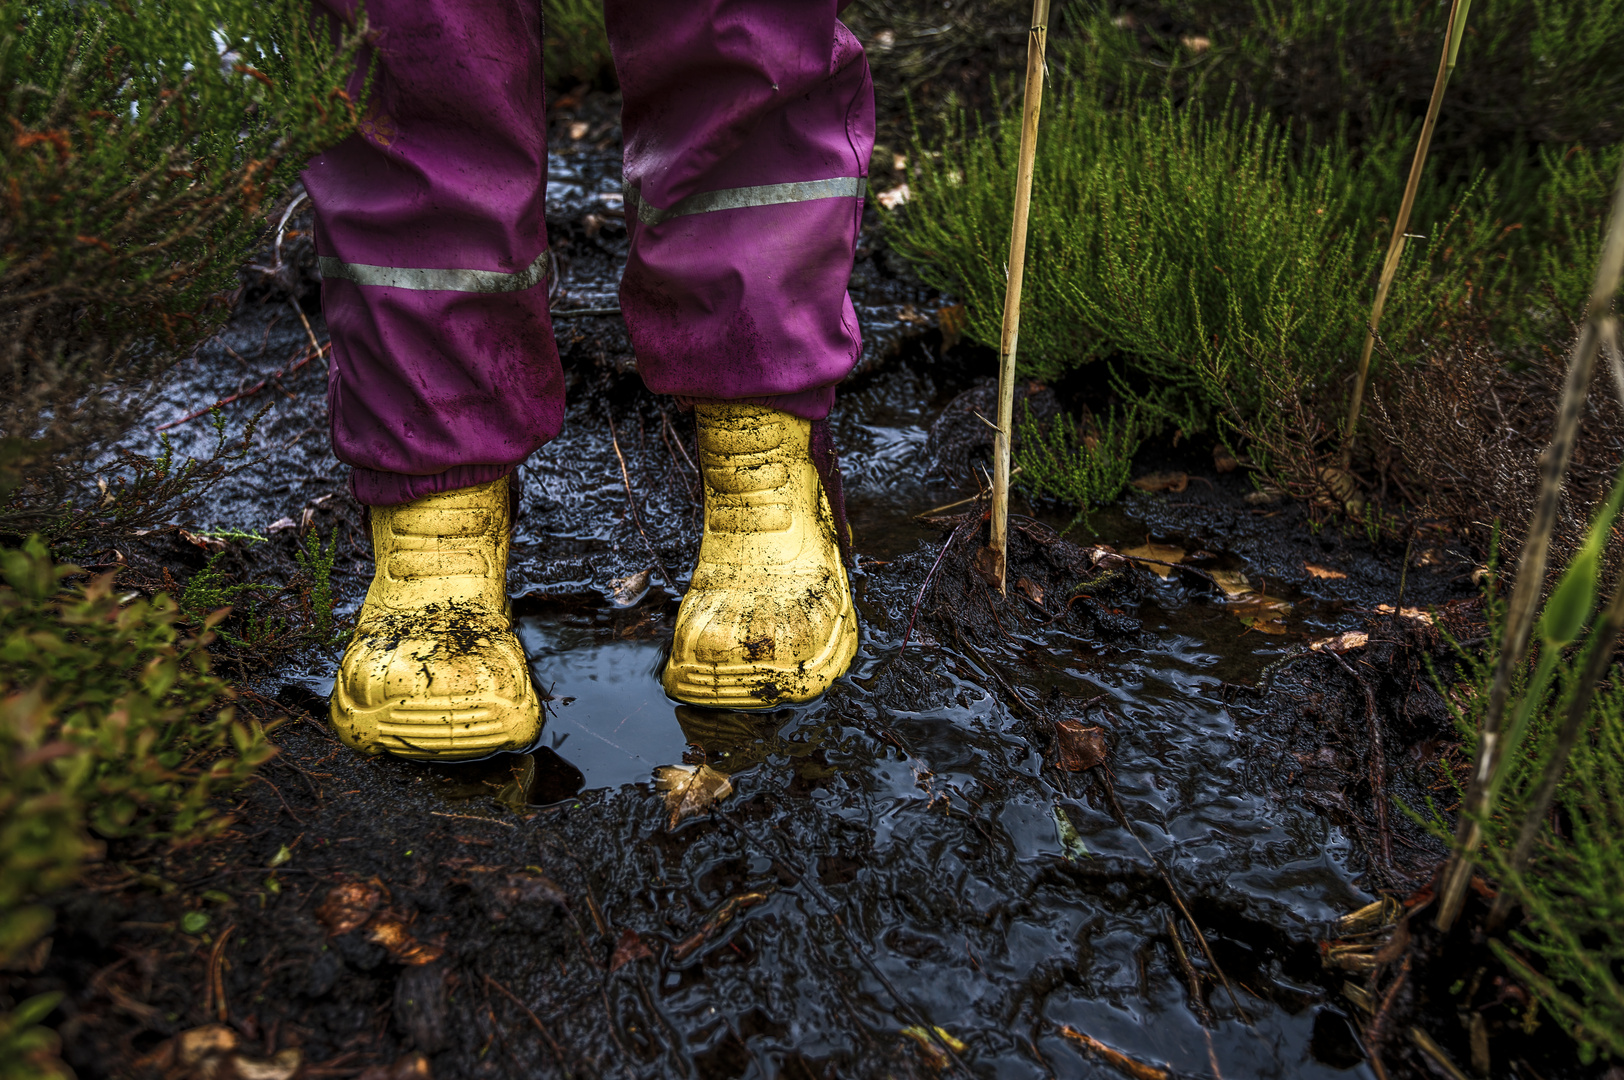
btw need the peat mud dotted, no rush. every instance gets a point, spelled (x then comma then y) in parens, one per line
(1124, 803)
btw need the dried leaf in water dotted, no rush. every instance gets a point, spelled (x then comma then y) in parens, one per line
(630, 947)
(1071, 843)
(1173, 482)
(279, 1066)
(348, 906)
(1079, 746)
(389, 930)
(1341, 643)
(1232, 582)
(1323, 573)
(931, 1046)
(1159, 558)
(690, 789)
(627, 591)
(1413, 614)
(1122, 1063)
(1262, 613)
(1032, 592)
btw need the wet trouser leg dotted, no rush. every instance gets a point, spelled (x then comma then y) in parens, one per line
(748, 128)
(433, 252)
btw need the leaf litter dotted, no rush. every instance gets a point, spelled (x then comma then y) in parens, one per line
(690, 789)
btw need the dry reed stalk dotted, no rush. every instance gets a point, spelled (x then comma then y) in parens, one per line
(998, 541)
(1401, 224)
(1531, 565)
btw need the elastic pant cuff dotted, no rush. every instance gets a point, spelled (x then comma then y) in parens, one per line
(373, 488)
(813, 404)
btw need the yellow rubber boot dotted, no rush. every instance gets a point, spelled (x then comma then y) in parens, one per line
(434, 669)
(768, 618)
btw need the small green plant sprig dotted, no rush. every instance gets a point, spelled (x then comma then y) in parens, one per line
(111, 724)
(1081, 468)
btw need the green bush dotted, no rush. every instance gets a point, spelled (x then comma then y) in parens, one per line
(1194, 251)
(576, 47)
(1569, 950)
(110, 725)
(145, 144)
(1085, 467)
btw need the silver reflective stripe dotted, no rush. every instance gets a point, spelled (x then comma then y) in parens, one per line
(396, 277)
(839, 187)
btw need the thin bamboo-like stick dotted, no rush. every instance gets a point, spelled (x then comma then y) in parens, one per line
(1035, 46)
(1401, 224)
(1531, 565)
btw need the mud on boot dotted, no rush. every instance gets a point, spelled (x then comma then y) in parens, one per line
(768, 617)
(434, 669)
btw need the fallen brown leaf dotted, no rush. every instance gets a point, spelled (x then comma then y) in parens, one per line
(732, 906)
(931, 1047)
(1223, 460)
(1032, 592)
(389, 930)
(1159, 558)
(413, 1066)
(630, 947)
(626, 591)
(1413, 614)
(1173, 482)
(1341, 643)
(690, 789)
(1119, 1061)
(279, 1066)
(986, 565)
(1323, 573)
(1231, 582)
(1079, 746)
(348, 906)
(1262, 613)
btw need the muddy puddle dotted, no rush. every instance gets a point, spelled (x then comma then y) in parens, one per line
(898, 856)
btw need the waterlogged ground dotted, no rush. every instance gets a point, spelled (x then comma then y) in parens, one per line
(901, 856)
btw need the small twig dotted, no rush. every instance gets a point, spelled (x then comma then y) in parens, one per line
(476, 817)
(925, 586)
(577, 313)
(1376, 1030)
(1378, 760)
(216, 992)
(631, 500)
(279, 798)
(1190, 973)
(1178, 901)
(558, 1052)
(275, 376)
(311, 334)
(798, 876)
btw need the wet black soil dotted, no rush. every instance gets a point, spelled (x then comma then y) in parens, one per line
(904, 854)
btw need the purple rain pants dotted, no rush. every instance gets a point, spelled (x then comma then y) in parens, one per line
(748, 126)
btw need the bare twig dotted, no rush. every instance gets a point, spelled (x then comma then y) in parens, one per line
(1178, 901)
(1035, 46)
(275, 377)
(925, 586)
(1378, 761)
(631, 500)
(798, 876)
(558, 1053)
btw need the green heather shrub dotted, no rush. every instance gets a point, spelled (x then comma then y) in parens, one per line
(576, 47)
(1081, 466)
(1569, 949)
(110, 725)
(1192, 251)
(145, 143)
